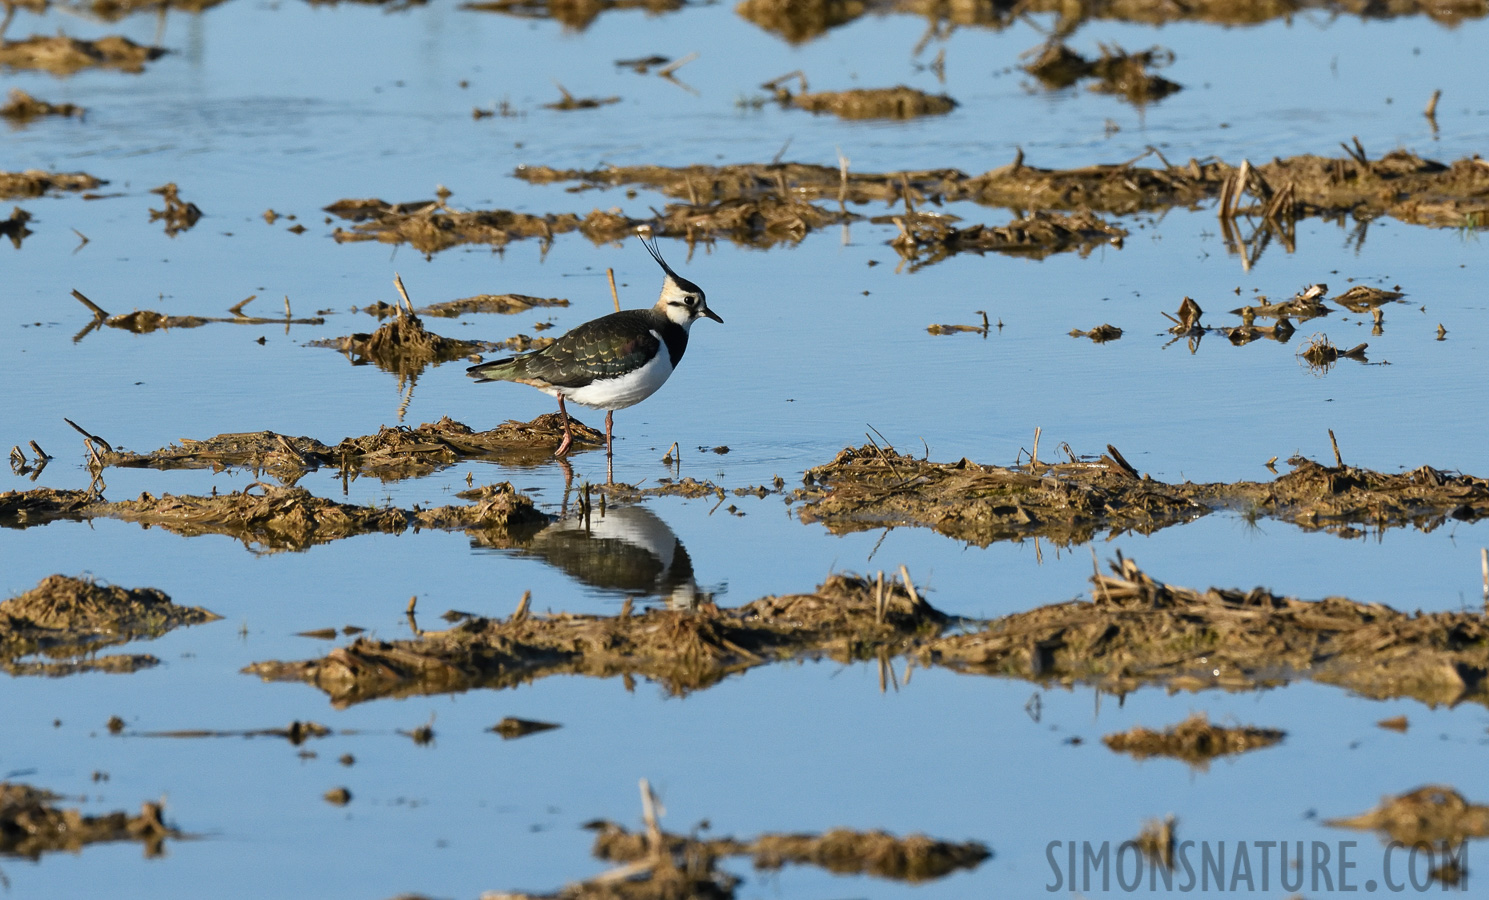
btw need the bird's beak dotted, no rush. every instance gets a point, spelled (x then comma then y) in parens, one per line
(712, 315)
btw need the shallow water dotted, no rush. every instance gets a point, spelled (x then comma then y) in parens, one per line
(291, 107)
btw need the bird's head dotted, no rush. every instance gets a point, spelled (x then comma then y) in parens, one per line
(682, 301)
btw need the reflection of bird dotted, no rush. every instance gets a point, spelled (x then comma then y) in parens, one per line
(626, 550)
(615, 361)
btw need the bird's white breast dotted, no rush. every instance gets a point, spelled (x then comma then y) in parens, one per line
(626, 390)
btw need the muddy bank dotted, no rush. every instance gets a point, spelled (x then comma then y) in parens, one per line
(1136, 631)
(145, 321)
(1399, 184)
(1072, 502)
(32, 824)
(1196, 740)
(62, 55)
(270, 519)
(798, 21)
(927, 238)
(114, 10)
(1435, 814)
(573, 14)
(430, 227)
(22, 107)
(35, 183)
(913, 858)
(845, 619)
(403, 346)
(1115, 72)
(899, 102)
(501, 304)
(389, 455)
(58, 627)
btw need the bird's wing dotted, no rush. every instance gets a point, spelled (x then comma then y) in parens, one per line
(607, 347)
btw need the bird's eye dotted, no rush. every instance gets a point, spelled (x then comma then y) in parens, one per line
(691, 300)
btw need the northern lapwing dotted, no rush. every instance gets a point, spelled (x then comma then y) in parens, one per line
(615, 361)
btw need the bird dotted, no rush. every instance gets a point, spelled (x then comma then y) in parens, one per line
(614, 361)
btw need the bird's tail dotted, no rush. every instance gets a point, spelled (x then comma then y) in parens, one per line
(496, 370)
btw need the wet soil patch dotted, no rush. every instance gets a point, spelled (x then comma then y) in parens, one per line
(57, 627)
(1399, 184)
(22, 107)
(431, 226)
(270, 519)
(1195, 740)
(145, 321)
(1116, 72)
(798, 21)
(114, 10)
(927, 238)
(503, 304)
(35, 183)
(1137, 631)
(898, 102)
(390, 454)
(32, 824)
(1072, 502)
(845, 619)
(14, 228)
(404, 347)
(1432, 814)
(574, 14)
(178, 215)
(62, 55)
(843, 851)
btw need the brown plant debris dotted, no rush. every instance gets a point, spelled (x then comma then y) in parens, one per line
(35, 183)
(178, 215)
(275, 519)
(403, 346)
(114, 10)
(799, 21)
(1037, 235)
(23, 509)
(145, 321)
(1195, 740)
(843, 851)
(512, 727)
(1116, 72)
(296, 732)
(15, 228)
(1157, 841)
(573, 14)
(432, 227)
(390, 454)
(1398, 184)
(873, 103)
(62, 55)
(1100, 334)
(872, 487)
(503, 304)
(1430, 814)
(30, 825)
(982, 329)
(57, 627)
(846, 618)
(1320, 353)
(1362, 298)
(1137, 631)
(570, 102)
(22, 107)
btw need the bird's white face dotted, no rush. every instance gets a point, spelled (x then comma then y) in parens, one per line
(682, 301)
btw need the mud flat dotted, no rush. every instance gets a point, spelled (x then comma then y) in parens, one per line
(63, 55)
(22, 107)
(1196, 740)
(31, 824)
(58, 627)
(36, 183)
(391, 454)
(1071, 502)
(846, 618)
(271, 519)
(1133, 632)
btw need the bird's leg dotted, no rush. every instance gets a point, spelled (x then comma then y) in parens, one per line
(609, 427)
(563, 446)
